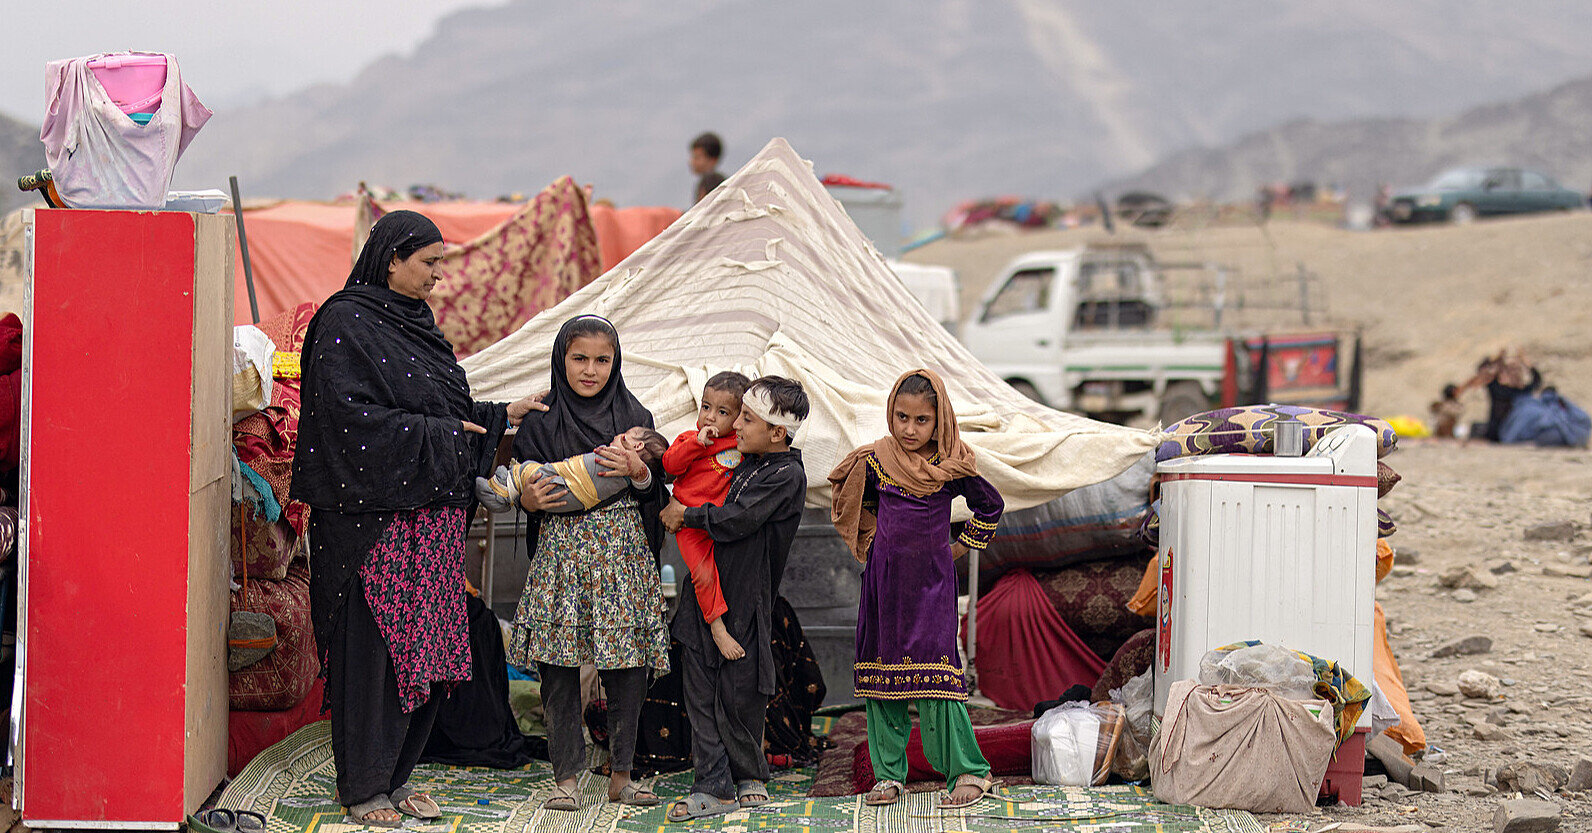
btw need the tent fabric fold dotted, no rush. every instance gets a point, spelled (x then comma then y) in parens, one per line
(768, 275)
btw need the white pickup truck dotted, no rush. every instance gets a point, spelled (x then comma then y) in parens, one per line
(1085, 330)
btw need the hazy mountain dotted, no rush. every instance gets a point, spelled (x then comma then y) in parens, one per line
(1549, 131)
(21, 153)
(947, 99)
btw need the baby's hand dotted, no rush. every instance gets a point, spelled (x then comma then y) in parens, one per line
(707, 435)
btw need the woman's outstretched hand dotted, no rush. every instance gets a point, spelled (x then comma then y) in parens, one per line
(621, 462)
(519, 408)
(540, 494)
(472, 427)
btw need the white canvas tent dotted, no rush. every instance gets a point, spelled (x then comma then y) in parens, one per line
(769, 275)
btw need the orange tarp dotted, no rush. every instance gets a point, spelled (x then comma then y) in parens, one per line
(302, 251)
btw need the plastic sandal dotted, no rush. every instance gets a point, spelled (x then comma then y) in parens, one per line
(412, 803)
(701, 806)
(636, 795)
(879, 789)
(968, 779)
(563, 798)
(745, 790)
(359, 813)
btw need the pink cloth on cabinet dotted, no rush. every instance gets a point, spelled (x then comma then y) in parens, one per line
(98, 155)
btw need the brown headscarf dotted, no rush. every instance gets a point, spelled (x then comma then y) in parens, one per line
(915, 474)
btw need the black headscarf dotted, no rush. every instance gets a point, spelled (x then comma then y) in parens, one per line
(575, 424)
(383, 396)
(400, 233)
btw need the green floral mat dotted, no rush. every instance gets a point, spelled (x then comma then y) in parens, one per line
(292, 784)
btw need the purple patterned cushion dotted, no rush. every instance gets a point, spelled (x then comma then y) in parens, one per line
(1248, 430)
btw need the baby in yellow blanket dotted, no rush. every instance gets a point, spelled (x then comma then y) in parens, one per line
(578, 475)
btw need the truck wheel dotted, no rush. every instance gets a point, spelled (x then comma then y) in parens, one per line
(1027, 390)
(1181, 400)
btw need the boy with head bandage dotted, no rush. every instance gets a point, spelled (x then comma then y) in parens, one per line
(727, 699)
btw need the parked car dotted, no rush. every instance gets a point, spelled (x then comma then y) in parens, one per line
(1463, 194)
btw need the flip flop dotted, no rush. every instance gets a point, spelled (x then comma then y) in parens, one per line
(636, 795)
(967, 779)
(563, 798)
(879, 789)
(701, 806)
(357, 813)
(412, 803)
(745, 790)
(222, 820)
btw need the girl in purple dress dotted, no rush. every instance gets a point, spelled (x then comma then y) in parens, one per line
(892, 506)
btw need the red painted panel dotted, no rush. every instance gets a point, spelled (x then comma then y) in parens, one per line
(108, 515)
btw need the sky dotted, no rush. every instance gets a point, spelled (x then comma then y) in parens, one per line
(230, 52)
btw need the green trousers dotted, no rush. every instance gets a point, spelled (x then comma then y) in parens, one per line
(948, 740)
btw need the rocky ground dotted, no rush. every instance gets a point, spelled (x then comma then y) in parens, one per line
(1493, 542)
(1489, 610)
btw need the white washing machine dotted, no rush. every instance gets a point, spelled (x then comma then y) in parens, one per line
(1276, 549)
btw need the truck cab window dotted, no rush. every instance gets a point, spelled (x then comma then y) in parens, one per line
(1111, 295)
(1025, 291)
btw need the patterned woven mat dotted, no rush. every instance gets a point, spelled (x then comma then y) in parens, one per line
(292, 783)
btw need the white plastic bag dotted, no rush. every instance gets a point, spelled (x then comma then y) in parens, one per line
(1073, 744)
(1270, 666)
(98, 156)
(252, 350)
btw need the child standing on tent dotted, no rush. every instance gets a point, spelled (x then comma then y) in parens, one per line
(702, 461)
(727, 700)
(892, 506)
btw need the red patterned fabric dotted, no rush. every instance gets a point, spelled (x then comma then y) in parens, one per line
(284, 677)
(265, 441)
(10, 390)
(1092, 599)
(270, 546)
(498, 281)
(1026, 652)
(412, 579)
(250, 733)
(1007, 747)
(1131, 660)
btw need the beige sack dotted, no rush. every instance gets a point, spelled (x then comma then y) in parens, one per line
(1241, 748)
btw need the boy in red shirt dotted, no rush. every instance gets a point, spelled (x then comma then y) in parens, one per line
(702, 461)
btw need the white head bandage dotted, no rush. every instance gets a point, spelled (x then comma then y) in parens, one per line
(758, 402)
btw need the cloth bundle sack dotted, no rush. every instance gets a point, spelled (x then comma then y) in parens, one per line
(1089, 524)
(283, 678)
(266, 547)
(1241, 748)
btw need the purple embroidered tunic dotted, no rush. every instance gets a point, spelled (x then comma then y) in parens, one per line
(907, 622)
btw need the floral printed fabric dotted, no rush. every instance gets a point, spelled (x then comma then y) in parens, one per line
(414, 584)
(498, 281)
(592, 595)
(265, 441)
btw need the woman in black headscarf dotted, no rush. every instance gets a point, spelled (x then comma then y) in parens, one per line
(592, 595)
(389, 445)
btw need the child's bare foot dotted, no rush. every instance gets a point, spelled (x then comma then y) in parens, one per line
(727, 644)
